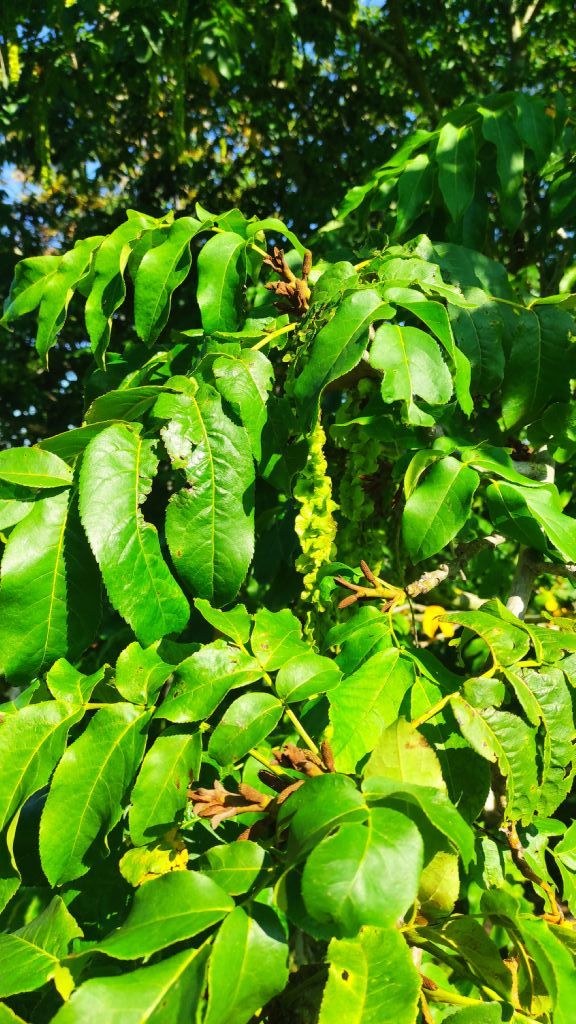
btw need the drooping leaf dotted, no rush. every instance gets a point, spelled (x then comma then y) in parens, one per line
(554, 704)
(116, 476)
(221, 276)
(536, 368)
(33, 467)
(438, 508)
(412, 368)
(403, 754)
(479, 334)
(162, 269)
(456, 159)
(31, 744)
(89, 785)
(364, 704)
(544, 504)
(505, 738)
(58, 290)
(434, 315)
(108, 289)
(30, 279)
(165, 991)
(415, 186)
(244, 725)
(203, 680)
(210, 522)
(167, 909)
(337, 347)
(248, 965)
(371, 980)
(49, 590)
(498, 127)
(506, 641)
(440, 812)
(245, 381)
(364, 874)
(160, 792)
(31, 955)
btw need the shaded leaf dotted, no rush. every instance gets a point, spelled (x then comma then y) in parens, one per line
(89, 785)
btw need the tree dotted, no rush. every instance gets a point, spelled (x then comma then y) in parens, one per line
(286, 621)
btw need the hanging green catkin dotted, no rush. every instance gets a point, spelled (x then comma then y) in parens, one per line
(315, 523)
(14, 69)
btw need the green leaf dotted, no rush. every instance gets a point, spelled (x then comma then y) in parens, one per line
(535, 125)
(498, 127)
(160, 790)
(504, 738)
(554, 704)
(50, 589)
(165, 910)
(412, 367)
(467, 937)
(31, 744)
(58, 291)
(276, 637)
(247, 967)
(245, 382)
(108, 289)
(67, 684)
(536, 367)
(507, 642)
(545, 505)
(371, 980)
(221, 275)
(278, 227)
(305, 676)
(235, 866)
(440, 812)
(364, 704)
(235, 623)
(511, 516)
(415, 186)
(210, 522)
(116, 477)
(479, 334)
(365, 633)
(89, 785)
(141, 673)
(434, 315)
(127, 404)
(314, 810)
(364, 874)
(438, 508)
(72, 443)
(456, 159)
(555, 964)
(337, 348)
(402, 754)
(30, 279)
(244, 725)
(30, 956)
(32, 467)
(158, 994)
(162, 269)
(203, 680)
(15, 504)
(7, 1015)
(489, 1013)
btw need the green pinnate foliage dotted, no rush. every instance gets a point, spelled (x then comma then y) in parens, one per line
(240, 778)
